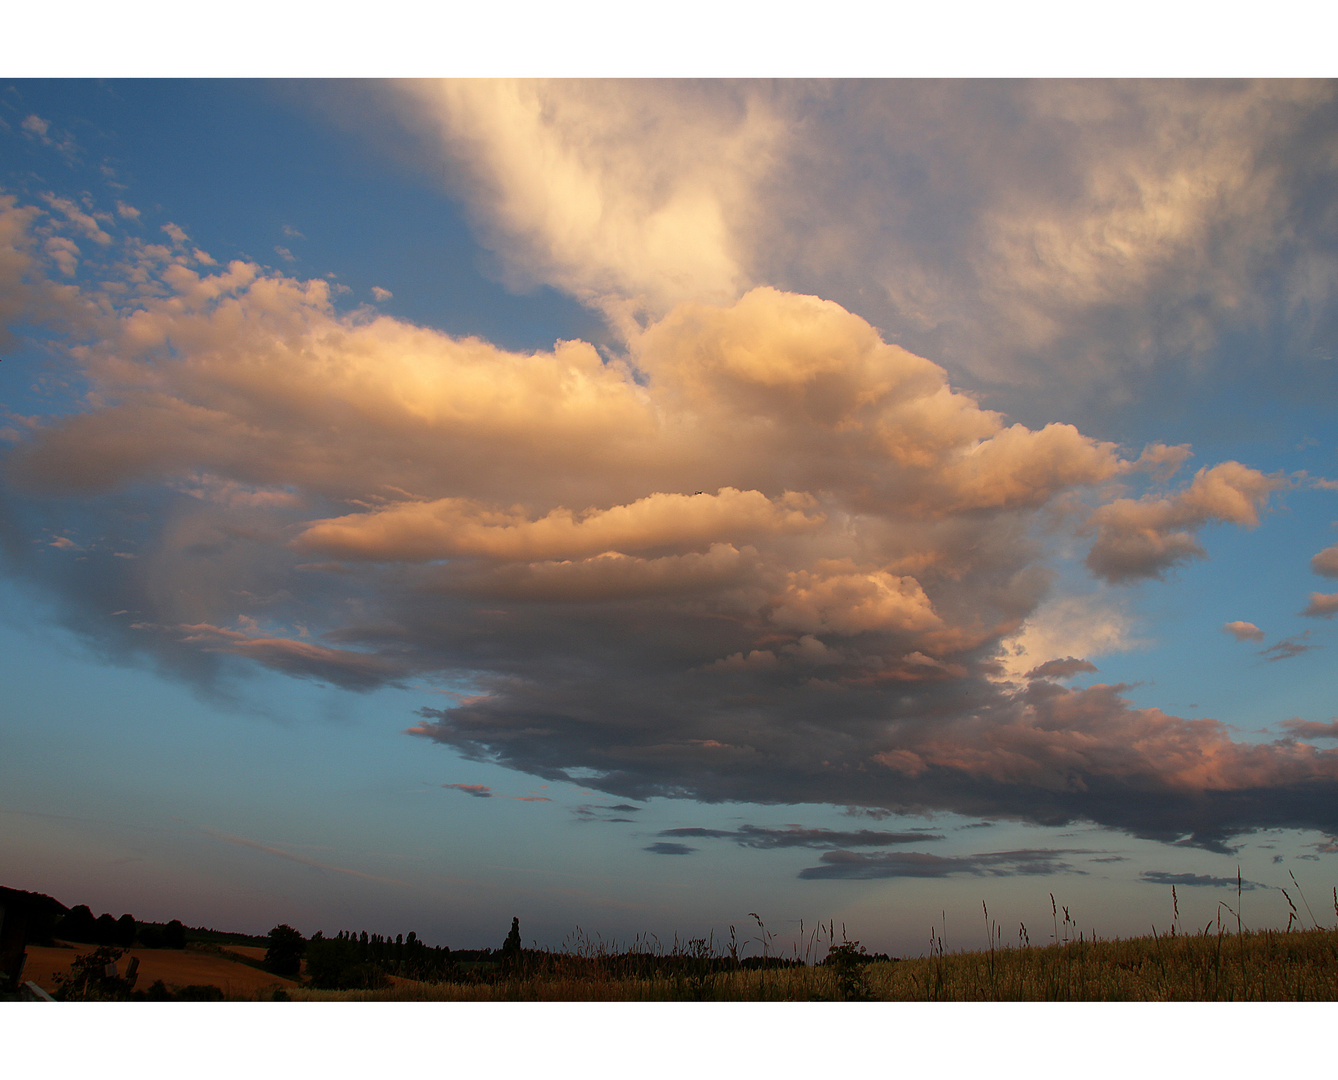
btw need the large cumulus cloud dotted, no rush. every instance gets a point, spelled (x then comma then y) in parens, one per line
(764, 555)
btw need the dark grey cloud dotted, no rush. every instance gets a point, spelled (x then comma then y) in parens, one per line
(1158, 877)
(860, 867)
(599, 812)
(758, 836)
(663, 847)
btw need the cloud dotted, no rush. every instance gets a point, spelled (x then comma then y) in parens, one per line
(344, 668)
(1311, 729)
(1095, 624)
(1071, 244)
(1159, 877)
(127, 211)
(1326, 562)
(1287, 647)
(615, 814)
(661, 847)
(1148, 536)
(1243, 631)
(479, 791)
(269, 849)
(849, 865)
(614, 192)
(1322, 605)
(1061, 669)
(84, 222)
(764, 555)
(757, 836)
(381, 295)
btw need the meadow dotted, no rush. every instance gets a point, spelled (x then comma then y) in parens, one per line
(1222, 961)
(1270, 965)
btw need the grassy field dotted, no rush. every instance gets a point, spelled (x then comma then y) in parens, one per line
(1258, 966)
(1219, 963)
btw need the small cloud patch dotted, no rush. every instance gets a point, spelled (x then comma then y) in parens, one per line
(479, 791)
(663, 847)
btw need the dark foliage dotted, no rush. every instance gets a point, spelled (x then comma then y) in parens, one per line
(125, 931)
(195, 992)
(363, 961)
(94, 976)
(78, 925)
(284, 955)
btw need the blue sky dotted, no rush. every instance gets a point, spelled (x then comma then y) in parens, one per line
(630, 506)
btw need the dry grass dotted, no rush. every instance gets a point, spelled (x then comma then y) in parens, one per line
(1260, 966)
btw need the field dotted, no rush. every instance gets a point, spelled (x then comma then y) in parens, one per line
(176, 968)
(1218, 963)
(1262, 966)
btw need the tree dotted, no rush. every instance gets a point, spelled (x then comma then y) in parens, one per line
(78, 925)
(104, 930)
(511, 946)
(174, 935)
(125, 930)
(284, 955)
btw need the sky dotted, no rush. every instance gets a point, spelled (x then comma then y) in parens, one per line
(632, 505)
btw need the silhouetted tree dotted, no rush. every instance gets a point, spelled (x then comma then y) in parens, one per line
(284, 955)
(78, 925)
(125, 930)
(511, 946)
(174, 935)
(105, 929)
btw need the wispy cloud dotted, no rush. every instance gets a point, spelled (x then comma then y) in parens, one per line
(1288, 647)
(280, 853)
(860, 867)
(757, 836)
(1159, 877)
(479, 791)
(1243, 631)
